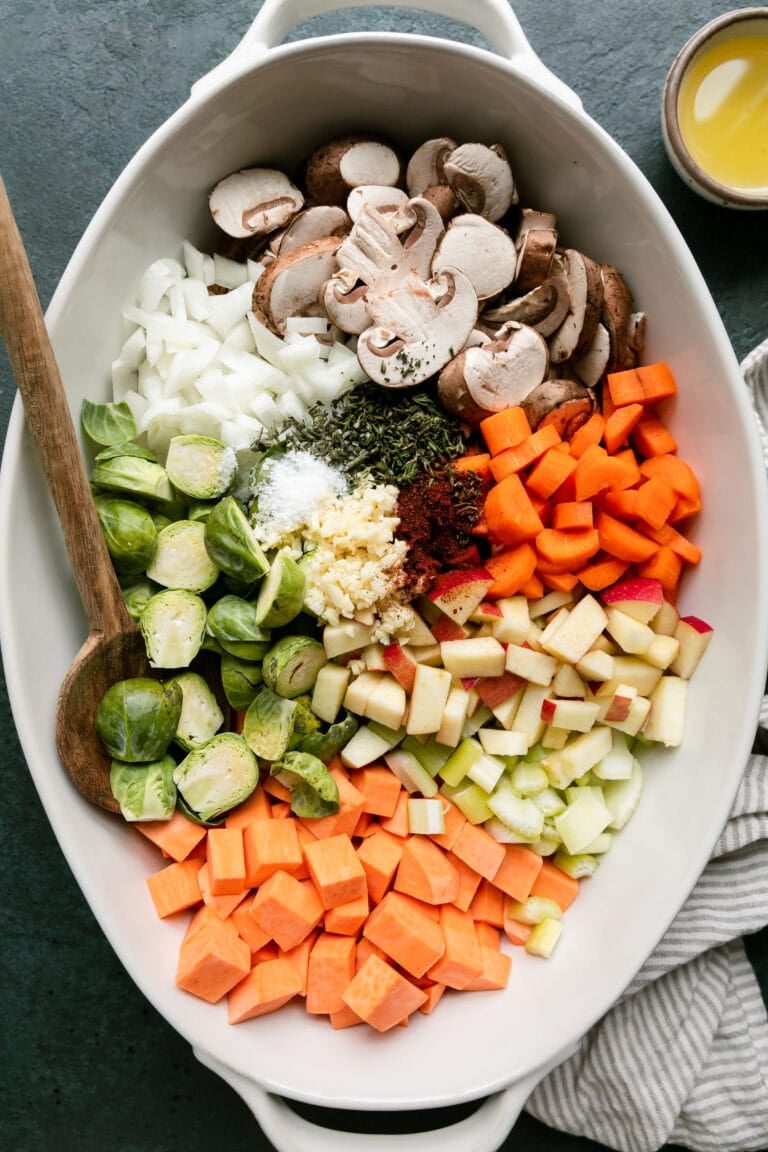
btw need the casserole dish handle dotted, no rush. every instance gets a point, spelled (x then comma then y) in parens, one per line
(484, 1130)
(494, 19)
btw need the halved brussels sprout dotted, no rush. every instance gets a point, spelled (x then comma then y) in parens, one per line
(232, 621)
(134, 475)
(217, 776)
(200, 466)
(326, 745)
(281, 596)
(201, 717)
(241, 680)
(137, 718)
(107, 423)
(268, 724)
(173, 627)
(124, 448)
(137, 595)
(200, 510)
(232, 543)
(305, 719)
(291, 665)
(181, 559)
(144, 791)
(314, 792)
(129, 531)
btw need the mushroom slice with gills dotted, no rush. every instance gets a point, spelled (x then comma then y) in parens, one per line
(382, 196)
(344, 299)
(490, 377)
(615, 315)
(636, 335)
(483, 251)
(417, 327)
(254, 202)
(543, 308)
(392, 244)
(536, 250)
(481, 179)
(593, 365)
(426, 167)
(291, 284)
(566, 404)
(585, 289)
(335, 168)
(315, 223)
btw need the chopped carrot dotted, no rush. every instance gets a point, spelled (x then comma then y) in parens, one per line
(552, 469)
(620, 424)
(651, 437)
(268, 986)
(520, 456)
(602, 572)
(558, 581)
(685, 507)
(176, 837)
(572, 514)
(656, 499)
(469, 881)
(566, 551)
(510, 569)
(479, 850)
(380, 855)
(175, 887)
(270, 845)
(405, 932)
(622, 541)
(622, 504)
(678, 474)
(644, 385)
(287, 908)
(479, 463)
(226, 861)
(597, 472)
(351, 803)
(533, 589)
(335, 869)
(462, 960)
(591, 432)
(331, 967)
(665, 566)
(381, 790)
(381, 995)
(347, 919)
(212, 961)
(680, 544)
(509, 512)
(505, 429)
(518, 871)
(426, 873)
(554, 884)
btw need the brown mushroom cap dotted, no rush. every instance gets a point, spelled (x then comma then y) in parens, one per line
(543, 308)
(426, 166)
(291, 284)
(564, 403)
(313, 224)
(335, 168)
(616, 313)
(490, 377)
(482, 179)
(535, 255)
(254, 202)
(585, 289)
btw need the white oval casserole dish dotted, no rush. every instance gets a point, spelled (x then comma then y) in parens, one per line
(271, 105)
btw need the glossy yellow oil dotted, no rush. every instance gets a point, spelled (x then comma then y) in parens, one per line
(723, 111)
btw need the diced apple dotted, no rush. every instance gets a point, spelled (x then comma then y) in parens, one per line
(373, 658)
(428, 699)
(578, 757)
(583, 820)
(478, 656)
(573, 715)
(528, 716)
(399, 661)
(533, 636)
(458, 593)
(693, 636)
(665, 620)
(428, 611)
(635, 718)
(487, 612)
(367, 745)
(631, 670)
(359, 690)
(573, 636)
(662, 651)
(418, 634)
(350, 636)
(537, 667)
(444, 628)
(640, 597)
(666, 719)
(495, 690)
(614, 709)
(506, 710)
(568, 683)
(454, 717)
(410, 773)
(630, 634)
(387, 703)
(329, 691)
(426, 654)
(499, 743)
(550, 602)
(515, 621)
(554, 738)
(595, 665)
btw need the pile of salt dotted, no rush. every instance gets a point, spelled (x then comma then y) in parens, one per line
(288, 491)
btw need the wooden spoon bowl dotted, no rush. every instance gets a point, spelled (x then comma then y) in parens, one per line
(114, 649)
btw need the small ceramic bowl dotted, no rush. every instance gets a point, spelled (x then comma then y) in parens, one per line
(696, 164)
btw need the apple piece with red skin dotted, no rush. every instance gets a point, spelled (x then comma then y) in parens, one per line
(486, 612)
(496, 690)
(401, 664)
(444, 628)
(619, 705)
(640, 597)
(458, 593)
(693, 635)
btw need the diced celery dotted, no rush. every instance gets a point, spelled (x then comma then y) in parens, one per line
(545, 846)
(622, 796)
(487, 771)
(499, 830)
(550, 802)
(533, 910)
(579, 867)
(460, 761)
(575, 790)
(617, 765)
(392, 735)
(528, 779)
(518, 813)
(409, 772)
(426, 816)
(430, 755)
(600, 845)
(471, 801)
(544, 937)
(481, 716)
(584, 818)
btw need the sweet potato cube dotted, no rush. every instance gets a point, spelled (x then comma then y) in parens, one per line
(381, 789)
(479, 850)
(426, 872)
(335, 869)
(518, 871)
(175, 887)
(434, 993)
(331, 967)
(454, 822)
(268, 986)
(554, 884)
(248, 928)
(397, 823)
(347, 919)
(287, 908)
(226, 861)
(344, 1018)
(381, 996)
(176, 837)
(380, 855)
(212, 961)
(406, 932)
(488, 904)
(462, 960)
(270, 846)
(256, 807)
(223, 906)
(299, 958)
(469, 881)
(495, 974)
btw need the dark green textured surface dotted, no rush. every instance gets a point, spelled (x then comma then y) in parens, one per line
(87, 1065)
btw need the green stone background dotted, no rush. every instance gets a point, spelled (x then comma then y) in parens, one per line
(87, 1064)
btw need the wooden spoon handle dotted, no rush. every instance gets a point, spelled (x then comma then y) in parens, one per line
(23, 329)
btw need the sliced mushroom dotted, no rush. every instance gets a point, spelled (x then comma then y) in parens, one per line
(494, 376)
(334, 169)
(585, 289)
(381, 196)
(564, 403)
(543, 308)
(392, 244)
(616, 311)
(482, 250)
(291, 284)
(344, 299)
(636, 335)
(426, 166)
(536, 250)
(254, 202)
(532, 219)
(482, 179)
(313, 224)
(417, 327)
(443, 198)
(591, 367)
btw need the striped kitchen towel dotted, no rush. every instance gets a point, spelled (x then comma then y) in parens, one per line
(682, 1058)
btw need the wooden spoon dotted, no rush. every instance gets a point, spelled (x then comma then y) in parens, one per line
(114, 649)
